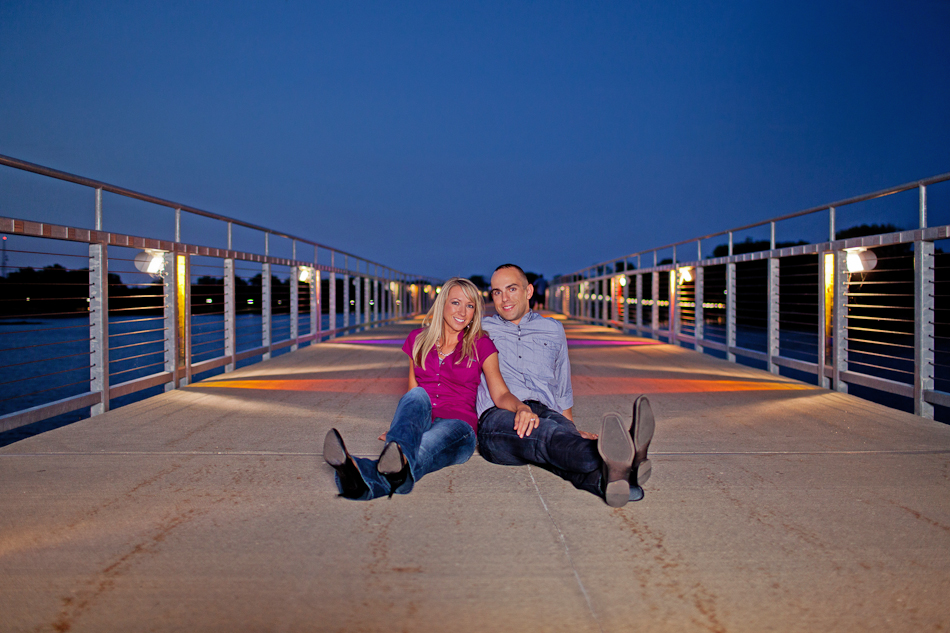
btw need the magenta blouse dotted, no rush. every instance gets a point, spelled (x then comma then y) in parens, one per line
(452, 387)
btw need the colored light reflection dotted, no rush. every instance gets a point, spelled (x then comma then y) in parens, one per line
(373, 341)
(583, 385)
(376, 386)
(620, 385)
(603, 342)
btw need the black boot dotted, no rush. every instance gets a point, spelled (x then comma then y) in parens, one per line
(335, 454)
(393, 466)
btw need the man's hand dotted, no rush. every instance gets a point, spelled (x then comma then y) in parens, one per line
(587, 436)
(525, 421)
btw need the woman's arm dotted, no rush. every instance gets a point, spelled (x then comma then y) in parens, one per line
(525, 419)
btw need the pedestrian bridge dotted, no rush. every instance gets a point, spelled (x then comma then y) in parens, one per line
(775, 503)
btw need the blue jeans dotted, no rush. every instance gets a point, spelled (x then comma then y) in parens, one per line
(428, 445)
(555, 446)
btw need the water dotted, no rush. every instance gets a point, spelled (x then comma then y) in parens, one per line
(44, 360)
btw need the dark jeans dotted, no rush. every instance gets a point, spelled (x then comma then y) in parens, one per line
(555, 446)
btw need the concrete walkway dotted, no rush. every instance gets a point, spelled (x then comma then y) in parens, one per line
(774, 506)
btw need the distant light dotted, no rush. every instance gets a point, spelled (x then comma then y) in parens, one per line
(860, 260)
(686, 274)
(372, 302)
(438, 289)
(304, 274)
(250, 301)
(208, 300)
(352, 302)
(622, 281)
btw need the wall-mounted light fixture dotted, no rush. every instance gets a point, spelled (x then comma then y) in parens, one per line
(860, 260)
(151, 262)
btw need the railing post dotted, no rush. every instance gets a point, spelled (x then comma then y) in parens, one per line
(626, 300)
(357, 301)
(315, 321)
(331, 309)
(655, 311)
(367, 296)
(230, 323)
(97, 220)
(839, 323)
(266, 312)
(99, 324)
(923, 326)
(294, 307)
(730, 308)
(346, 293)
(773, 310)
(172, 338)
(376, 296)
(638, 306)
(184, 315)
(699, 319)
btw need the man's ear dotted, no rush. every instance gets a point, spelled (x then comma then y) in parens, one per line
(530, 290)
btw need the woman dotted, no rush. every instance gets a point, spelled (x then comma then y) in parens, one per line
(435, 422)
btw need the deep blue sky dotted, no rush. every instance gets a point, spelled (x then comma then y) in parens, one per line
(446, 138)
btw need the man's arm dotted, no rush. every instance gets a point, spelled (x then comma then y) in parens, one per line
(563, 393)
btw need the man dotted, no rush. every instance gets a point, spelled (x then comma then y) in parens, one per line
(532, 351)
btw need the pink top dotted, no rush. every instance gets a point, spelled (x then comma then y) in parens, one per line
(452, 388)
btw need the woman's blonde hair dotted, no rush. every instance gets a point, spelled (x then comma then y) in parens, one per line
(434, 323)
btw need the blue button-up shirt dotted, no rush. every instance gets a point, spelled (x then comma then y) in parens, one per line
(533, 359)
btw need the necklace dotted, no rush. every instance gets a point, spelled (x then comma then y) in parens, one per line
(438, 349)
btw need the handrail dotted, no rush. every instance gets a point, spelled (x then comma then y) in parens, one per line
(824, 207)
(16, 163)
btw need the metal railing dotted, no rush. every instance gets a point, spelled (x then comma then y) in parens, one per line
(869, 312)
(128, 314)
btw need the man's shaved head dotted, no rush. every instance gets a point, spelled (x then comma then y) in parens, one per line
(524, 277)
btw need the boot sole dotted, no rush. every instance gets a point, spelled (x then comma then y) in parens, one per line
(616, 449)
(644, 425)
(334, 451)
(390, 461)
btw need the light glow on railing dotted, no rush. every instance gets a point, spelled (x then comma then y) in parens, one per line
(181, 266)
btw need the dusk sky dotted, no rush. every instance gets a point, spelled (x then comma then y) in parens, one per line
(447, 138)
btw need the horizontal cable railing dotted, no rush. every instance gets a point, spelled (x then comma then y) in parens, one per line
(866, 313)
(91, 318)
